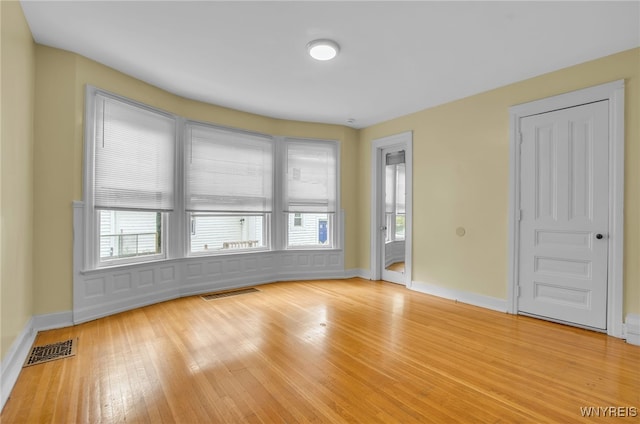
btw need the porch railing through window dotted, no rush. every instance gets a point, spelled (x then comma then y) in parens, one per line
(128, 245)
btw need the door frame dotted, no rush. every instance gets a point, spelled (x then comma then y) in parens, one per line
(614, 93)
(403, 141)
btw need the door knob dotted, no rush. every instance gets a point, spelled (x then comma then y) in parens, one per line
(599, 236)
(383, 228)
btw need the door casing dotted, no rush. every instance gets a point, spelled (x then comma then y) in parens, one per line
(614, 93)
(404, 141)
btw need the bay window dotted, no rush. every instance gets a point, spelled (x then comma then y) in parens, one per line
(158, 187)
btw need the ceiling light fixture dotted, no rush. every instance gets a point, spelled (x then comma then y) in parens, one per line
(323, 49)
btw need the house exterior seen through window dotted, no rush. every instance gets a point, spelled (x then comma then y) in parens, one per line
(125, 234)
(313, 229)
(212, 233)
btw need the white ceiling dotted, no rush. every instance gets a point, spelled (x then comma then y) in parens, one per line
(396, 57)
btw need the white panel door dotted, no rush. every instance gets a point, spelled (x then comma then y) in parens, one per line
(564, 215)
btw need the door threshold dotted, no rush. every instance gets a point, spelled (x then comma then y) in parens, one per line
(559, 321)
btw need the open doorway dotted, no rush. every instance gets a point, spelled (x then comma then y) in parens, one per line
(391, 200)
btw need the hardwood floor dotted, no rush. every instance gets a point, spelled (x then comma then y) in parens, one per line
(327, 352)
(396, 266)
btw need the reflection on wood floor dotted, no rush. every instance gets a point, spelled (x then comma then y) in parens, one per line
(397, 267)
(326, 352)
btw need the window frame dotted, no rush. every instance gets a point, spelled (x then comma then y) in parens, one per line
(91, 251)
(186, 214)
(133, 259)
(334, 218)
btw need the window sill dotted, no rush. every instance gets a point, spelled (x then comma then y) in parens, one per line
(311, 248)
(128, 265)
(226, 252)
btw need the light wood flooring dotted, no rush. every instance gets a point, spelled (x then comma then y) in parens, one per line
(327, 352)
(396, 266)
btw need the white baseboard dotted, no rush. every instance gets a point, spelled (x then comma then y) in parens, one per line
(474, 299)
(17, 354)
(632, 329)
(13, 360)
(52, 321)
(357, 272)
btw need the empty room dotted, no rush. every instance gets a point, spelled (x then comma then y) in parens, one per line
(320, 211)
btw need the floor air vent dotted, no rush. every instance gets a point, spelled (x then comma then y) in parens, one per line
(212, 296)
(51, 352)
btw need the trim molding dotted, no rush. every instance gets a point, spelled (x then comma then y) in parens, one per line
(13, 360)
(613, 92)
(52, 321)
(470, 298)
(403, 141)
(357, 272)
(632, 329)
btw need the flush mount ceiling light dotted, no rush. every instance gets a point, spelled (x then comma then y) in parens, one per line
(323, 49)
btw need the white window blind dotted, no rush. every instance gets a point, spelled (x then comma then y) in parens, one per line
(310, 184)
(228, 170)
(395, 182)
(134, 157)
(400, 188)
(389, 188)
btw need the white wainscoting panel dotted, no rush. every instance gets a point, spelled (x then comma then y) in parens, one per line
(110, 290)
(105, 291)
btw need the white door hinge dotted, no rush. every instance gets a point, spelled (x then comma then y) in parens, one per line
(517, 291)
(519, 214)
(520, 137)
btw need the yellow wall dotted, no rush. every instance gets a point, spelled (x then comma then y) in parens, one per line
(461, 159)
(16, 170)
(60, 82)
(53, 180)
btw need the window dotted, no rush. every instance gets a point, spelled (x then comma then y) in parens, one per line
(400, 201)
(229, 188)
(226, 196)
(310, 192)
(133, 178)
(314, 232)
(222, 232)
(126, 234)
(395, 194)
